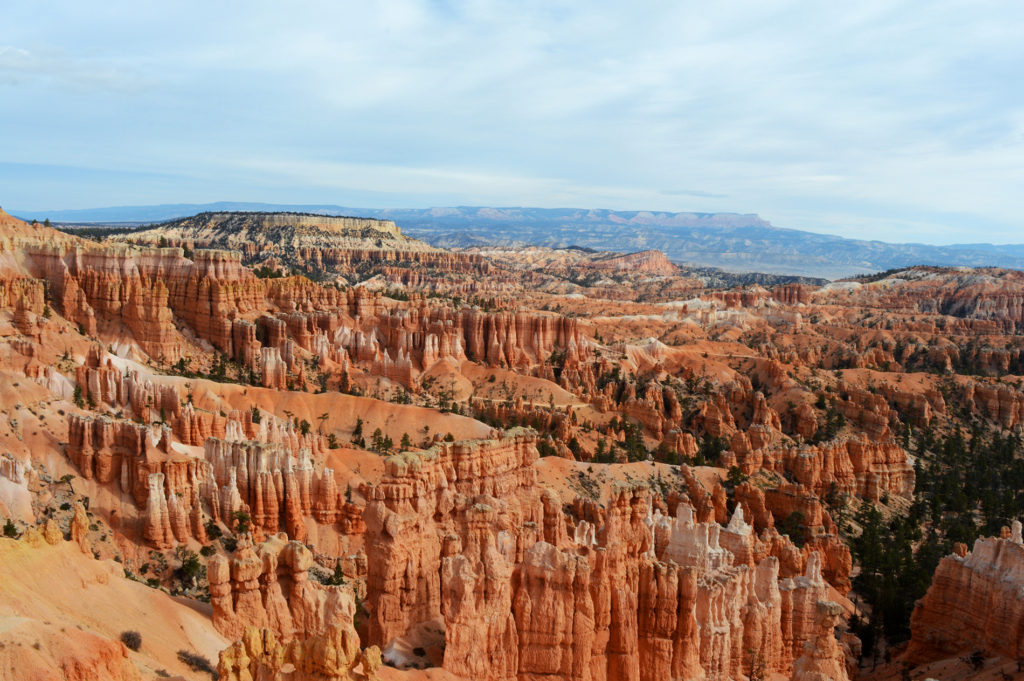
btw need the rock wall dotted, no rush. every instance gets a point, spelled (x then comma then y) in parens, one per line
(331, 656)
(849, 465)
(822, 659)
(145, 289)
(404, 535)
(265, 469)
(415, 337)
(1000, 403)
(460, 535)
(974, 602)
(979, 294)
(267, 586)
(150, 291)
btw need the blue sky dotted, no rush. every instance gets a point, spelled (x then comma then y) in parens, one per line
(901, 121)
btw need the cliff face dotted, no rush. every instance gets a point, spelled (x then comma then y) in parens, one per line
(331, 656)
(822, 659)
(400, 342)
(263, 468)
(234, 230)
(973, 603)
(275, 484)
(649, 262)
(978, 294)
(999, 403)
(16, 235)
(151, 292)
(268, 587)
(404, 538)
(356, 248)
(461, 535)
(849, 466)
(146, 289)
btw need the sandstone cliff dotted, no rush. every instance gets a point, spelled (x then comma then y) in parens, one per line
(461, 535)
(331, 656)
(354, 247)
(973, 603)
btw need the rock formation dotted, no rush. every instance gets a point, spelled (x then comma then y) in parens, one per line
(457, 533)
(333, 655)
(267, 586)
(973, 603)
(319, 243)
(822, 660)
(697, 440)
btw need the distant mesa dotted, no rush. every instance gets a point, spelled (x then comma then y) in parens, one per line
(230, 229)
(322, 246)
(652, 262)
(730, 241)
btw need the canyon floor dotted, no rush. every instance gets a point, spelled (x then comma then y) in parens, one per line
(270, 446)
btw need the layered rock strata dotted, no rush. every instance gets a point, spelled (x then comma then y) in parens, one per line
(974, 602)
(267, 586)
(461, 535)
(331, 656)
(271, 477)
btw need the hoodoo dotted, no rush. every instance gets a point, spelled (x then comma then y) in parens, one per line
(353, 456)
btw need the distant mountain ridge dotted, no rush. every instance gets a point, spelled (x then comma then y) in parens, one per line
(731, 241)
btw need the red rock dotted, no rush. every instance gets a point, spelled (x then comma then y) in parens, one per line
(793, 294)
(403, 538)
(481, 641)
(157, 530)
(822, 659)
(641, 597)
(269, 587)
(973, 603)
(554, 613)
(80, 528)
(275, 371)
(333, 655)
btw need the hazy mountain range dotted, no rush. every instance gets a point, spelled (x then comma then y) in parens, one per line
(731, 241)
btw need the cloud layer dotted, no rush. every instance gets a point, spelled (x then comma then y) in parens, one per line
(890, 120)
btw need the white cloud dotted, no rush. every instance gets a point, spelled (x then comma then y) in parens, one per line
(19, 66)
(788, 109)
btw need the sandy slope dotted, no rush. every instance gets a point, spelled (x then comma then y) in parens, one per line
(341, 410)
(47, 590)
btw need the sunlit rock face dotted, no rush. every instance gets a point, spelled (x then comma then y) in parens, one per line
(506, 464)
(974, 602)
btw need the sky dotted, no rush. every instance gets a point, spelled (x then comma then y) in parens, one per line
(900, 121)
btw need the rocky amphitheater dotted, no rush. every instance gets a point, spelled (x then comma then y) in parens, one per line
(275, 446)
